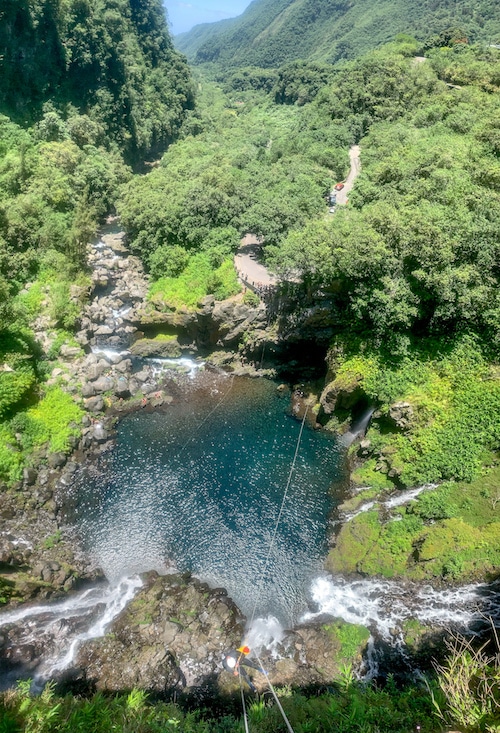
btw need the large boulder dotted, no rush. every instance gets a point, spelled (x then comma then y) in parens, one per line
(174, 633)
(163, 347)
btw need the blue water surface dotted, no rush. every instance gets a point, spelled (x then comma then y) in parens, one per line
(199, 486)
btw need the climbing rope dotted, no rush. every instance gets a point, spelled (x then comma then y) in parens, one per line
(273, 538)
(287, 722)
(261, 580)
(245, 719)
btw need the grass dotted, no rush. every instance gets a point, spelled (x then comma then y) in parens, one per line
(197, 280)
(55, 419)
(355, 708)
(53, 422)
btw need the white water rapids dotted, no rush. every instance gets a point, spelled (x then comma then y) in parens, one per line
(54, 632)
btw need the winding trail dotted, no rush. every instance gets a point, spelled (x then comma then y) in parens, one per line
(253, 273)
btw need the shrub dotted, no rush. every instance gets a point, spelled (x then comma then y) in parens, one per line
(55, 418)
(197, 280)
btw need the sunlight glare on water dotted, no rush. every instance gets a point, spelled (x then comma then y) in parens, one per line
(199, 487)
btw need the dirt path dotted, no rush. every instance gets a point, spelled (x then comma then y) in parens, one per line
(255, 275)
(353, 174)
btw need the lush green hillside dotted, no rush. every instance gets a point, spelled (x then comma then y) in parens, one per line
(270, 33)
(85, 88)
(112, 60)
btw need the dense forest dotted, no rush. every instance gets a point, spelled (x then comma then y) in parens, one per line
(269, 33)
(88, 89)
(409, 268)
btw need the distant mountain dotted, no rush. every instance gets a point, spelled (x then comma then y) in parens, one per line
(272, 32)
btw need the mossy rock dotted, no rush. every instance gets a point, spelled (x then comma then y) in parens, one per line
(164, 346)
(355, 540)
(351, 638)
(368, 475)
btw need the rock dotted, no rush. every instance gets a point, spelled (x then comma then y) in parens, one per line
(87, 389)
(29, 476)
(95, 370)
(94, 404)
(402, 415)
(103, 384)
(365, 448)
(103, 331)
(70, 352)
(341, 396)
(99, 434)
(166, 348)
(122, 387)
(56, 460)
(124, 366)
(159, 641)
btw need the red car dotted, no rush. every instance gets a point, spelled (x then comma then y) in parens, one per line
(339, 186)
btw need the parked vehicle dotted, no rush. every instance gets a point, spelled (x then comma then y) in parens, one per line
(333, 199)
(339, 186)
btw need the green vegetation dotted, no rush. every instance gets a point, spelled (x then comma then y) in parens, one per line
(450, 398)
(351, 638)
(451, 533)
(463, 694)
(353, 708)
(196, 280)
(94, 72)
(86, 89)
(414, 251)
(249, 166)
(54, 421)
(270, 32)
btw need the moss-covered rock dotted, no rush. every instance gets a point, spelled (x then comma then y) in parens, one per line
(162, 346)
(355, 540)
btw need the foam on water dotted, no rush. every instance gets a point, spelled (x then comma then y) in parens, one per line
(160, 365)
(107, 352)
(60, 628)
(383, 605)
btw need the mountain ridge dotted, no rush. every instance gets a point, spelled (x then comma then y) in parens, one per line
(269, 33)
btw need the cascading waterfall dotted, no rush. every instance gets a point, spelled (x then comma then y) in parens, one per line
(357, 428)
(52, 633)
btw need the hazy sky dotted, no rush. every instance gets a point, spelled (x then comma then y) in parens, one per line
(184, 15)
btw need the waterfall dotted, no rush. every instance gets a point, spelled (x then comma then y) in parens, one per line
(357, 428)
(55, 631)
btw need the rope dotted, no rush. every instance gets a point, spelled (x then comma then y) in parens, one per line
(243, 704)
(273, 539)
(287, 722)
(207, 417)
